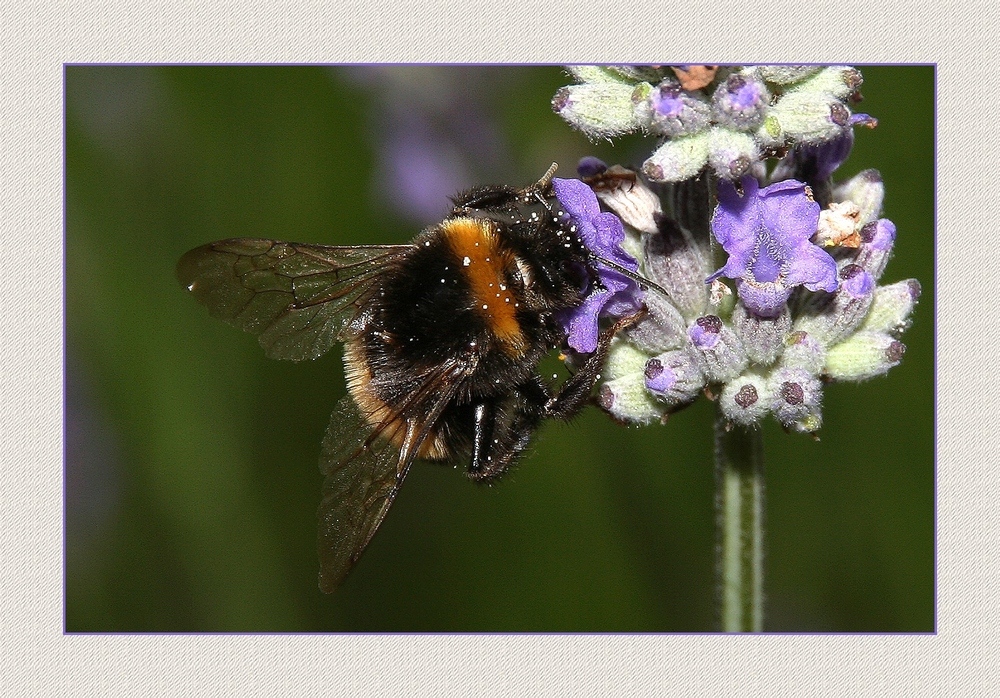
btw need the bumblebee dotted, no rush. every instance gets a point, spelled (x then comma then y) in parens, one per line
(442, 337)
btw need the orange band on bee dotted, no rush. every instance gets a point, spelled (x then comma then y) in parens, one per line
(377, 413)
(483, 261)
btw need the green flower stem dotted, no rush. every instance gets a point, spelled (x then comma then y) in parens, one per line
(739, 503)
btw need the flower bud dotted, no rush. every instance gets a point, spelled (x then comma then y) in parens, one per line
(623, 394)
(839, 81)
(740, 102)
(867, 191)
(796, 396)
(721, 354)
(662, 328)
(863, 355)
(877, 239)
(891, 307)
(671, 111)
(763, 338)
(802, 351)
(674, 377)
(746, 399)
(678, 158)
(676, 263)
(830, 318)
(805, 118)
(598, 109)
(813, 110)
(731, 153)
(594, 73)
(787, 74)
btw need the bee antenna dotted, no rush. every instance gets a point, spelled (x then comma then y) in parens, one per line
(542, 184)
(546, 179)
(643, 282)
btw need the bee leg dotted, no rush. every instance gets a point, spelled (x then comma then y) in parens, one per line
(575, 392)
(484, 419)
(500, 435)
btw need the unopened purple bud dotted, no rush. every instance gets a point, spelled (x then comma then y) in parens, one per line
(877, 240)
(667, 100)
(656, 377)
(740, 102)
(704, 333)
(831, 318)
(674, 377)
(673, 111)
(720, 352)
(880, 234)
(856, 281)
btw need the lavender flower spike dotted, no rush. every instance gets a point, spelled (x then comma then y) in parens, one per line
(612, 294)
(766, 234)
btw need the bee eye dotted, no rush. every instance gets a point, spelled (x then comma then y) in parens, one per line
(576, 273)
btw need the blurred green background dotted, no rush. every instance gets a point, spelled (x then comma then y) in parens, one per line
(191, 479)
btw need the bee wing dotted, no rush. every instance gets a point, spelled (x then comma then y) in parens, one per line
(298, 299)
(364, 468)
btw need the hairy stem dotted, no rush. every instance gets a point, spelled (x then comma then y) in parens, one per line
(739, 504)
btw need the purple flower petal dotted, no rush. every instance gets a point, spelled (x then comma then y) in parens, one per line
(577, 198)
(704, 333)
(766, 234)
(612, 294)
(856, 281)
(659, 378)
(581, 323)
(816, 270)
(880, 234)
